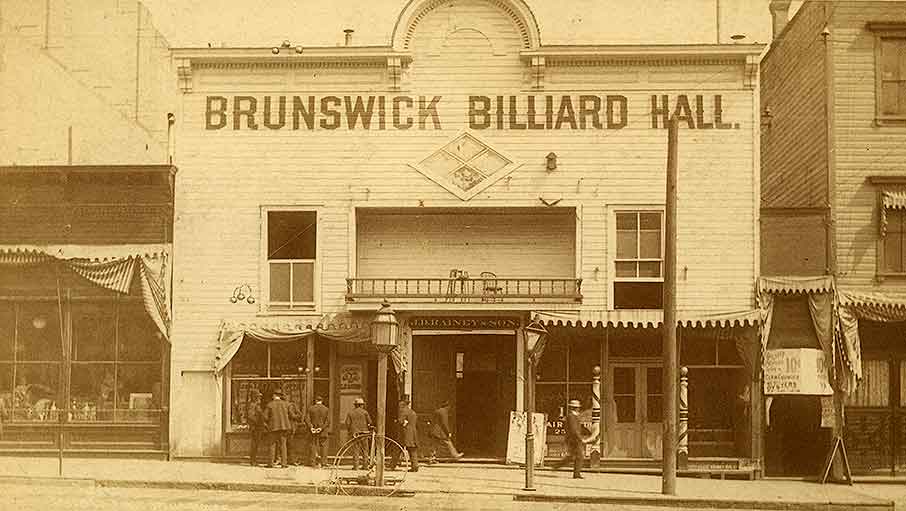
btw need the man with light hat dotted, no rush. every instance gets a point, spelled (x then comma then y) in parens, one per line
(358, 425)
(574, 441)
(276, 418)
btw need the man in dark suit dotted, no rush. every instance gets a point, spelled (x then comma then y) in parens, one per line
(317, 419)
(358, 425)
(295, 440)
(440, 432)
(574, 440)
(276, 417)
(254, 417)
(408, 425)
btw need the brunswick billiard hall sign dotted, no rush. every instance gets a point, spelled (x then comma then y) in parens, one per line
(527, 112)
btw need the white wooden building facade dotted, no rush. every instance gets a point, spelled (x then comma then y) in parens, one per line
(474, 178)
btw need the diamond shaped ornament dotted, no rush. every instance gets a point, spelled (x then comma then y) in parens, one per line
(465, 166)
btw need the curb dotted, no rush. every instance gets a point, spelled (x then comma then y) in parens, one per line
(309, 489)
(876, 505)
(48, 481)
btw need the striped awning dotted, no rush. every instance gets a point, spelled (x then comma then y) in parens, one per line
(113, 271)
(339, 327)
(647, 318)
(891, 199)
(795, 285)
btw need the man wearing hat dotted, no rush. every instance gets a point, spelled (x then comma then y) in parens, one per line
(276, 417)
(407, 422)
(358, 424)
(574, 442)
(317, 419)
(254, 417)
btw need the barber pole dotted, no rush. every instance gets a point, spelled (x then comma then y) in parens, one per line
(592, 448)
(682, 453)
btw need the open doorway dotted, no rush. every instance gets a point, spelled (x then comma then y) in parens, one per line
(796, 444)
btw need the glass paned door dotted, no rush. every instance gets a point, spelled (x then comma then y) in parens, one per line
(637, 410)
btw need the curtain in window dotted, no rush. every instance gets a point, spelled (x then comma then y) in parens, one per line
(821, 297)
(116, 273)
(341, 327)
(890, 199)
(852, 308)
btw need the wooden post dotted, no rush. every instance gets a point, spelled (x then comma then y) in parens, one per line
(683, 435)
(381, 418)
(670, 351)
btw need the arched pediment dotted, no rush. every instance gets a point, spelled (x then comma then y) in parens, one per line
(414, 11)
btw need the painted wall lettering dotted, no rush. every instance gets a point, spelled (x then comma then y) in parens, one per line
(706, 116)
(514, 112)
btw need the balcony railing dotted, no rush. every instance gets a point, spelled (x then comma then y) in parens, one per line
(465, 290)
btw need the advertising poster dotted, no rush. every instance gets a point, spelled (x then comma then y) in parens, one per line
(796, 371)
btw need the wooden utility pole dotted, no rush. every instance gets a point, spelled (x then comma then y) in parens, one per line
(671, 369)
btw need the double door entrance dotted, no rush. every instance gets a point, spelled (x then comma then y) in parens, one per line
(636, 411)
(477, 374)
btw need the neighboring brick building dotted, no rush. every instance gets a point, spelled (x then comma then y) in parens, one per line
(86, 205)
(474, 178)
(833, 181)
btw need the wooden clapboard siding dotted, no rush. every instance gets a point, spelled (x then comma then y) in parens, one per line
(430, 245)
(227, 176)
(793, 86)
(862, 149)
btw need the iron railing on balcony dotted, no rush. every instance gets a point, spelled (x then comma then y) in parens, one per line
(465, 290)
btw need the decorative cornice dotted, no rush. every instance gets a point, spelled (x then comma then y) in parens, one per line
(286, 65)
(538, 72)
(634, 52)
(651, 62)
(750, 78)
(184, 74)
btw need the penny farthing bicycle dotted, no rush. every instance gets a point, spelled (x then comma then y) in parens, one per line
(368, 448)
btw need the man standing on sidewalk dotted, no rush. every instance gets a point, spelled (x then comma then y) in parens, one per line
(317, 419)
(574, 441)
(254, 416)
(408, 422)
(358, 425)
(276, 416)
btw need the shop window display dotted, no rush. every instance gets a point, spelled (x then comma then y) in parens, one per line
(266, 367)
(105, 383)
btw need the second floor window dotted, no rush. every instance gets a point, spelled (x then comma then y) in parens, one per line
(895, 242)
(892, 76)
(639, 261)
(291, 259)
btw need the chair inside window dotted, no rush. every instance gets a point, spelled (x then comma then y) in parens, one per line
(491, 290)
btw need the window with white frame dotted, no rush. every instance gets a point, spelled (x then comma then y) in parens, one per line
(291, 258)
(639, 260)
(890, 71)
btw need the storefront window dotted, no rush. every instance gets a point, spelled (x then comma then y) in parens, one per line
(115, 356)
(266, 367)
(38, 334)
(7, 331)
(565, 372)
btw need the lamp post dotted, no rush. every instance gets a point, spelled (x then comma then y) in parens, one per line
(384, 332)
(535, 336)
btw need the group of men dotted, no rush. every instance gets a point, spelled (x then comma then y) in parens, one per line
(281, 424)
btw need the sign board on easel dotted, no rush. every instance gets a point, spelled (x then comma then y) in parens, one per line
(838, 451)
(515, 444)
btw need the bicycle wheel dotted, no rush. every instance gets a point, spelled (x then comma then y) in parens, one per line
(353, 476)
